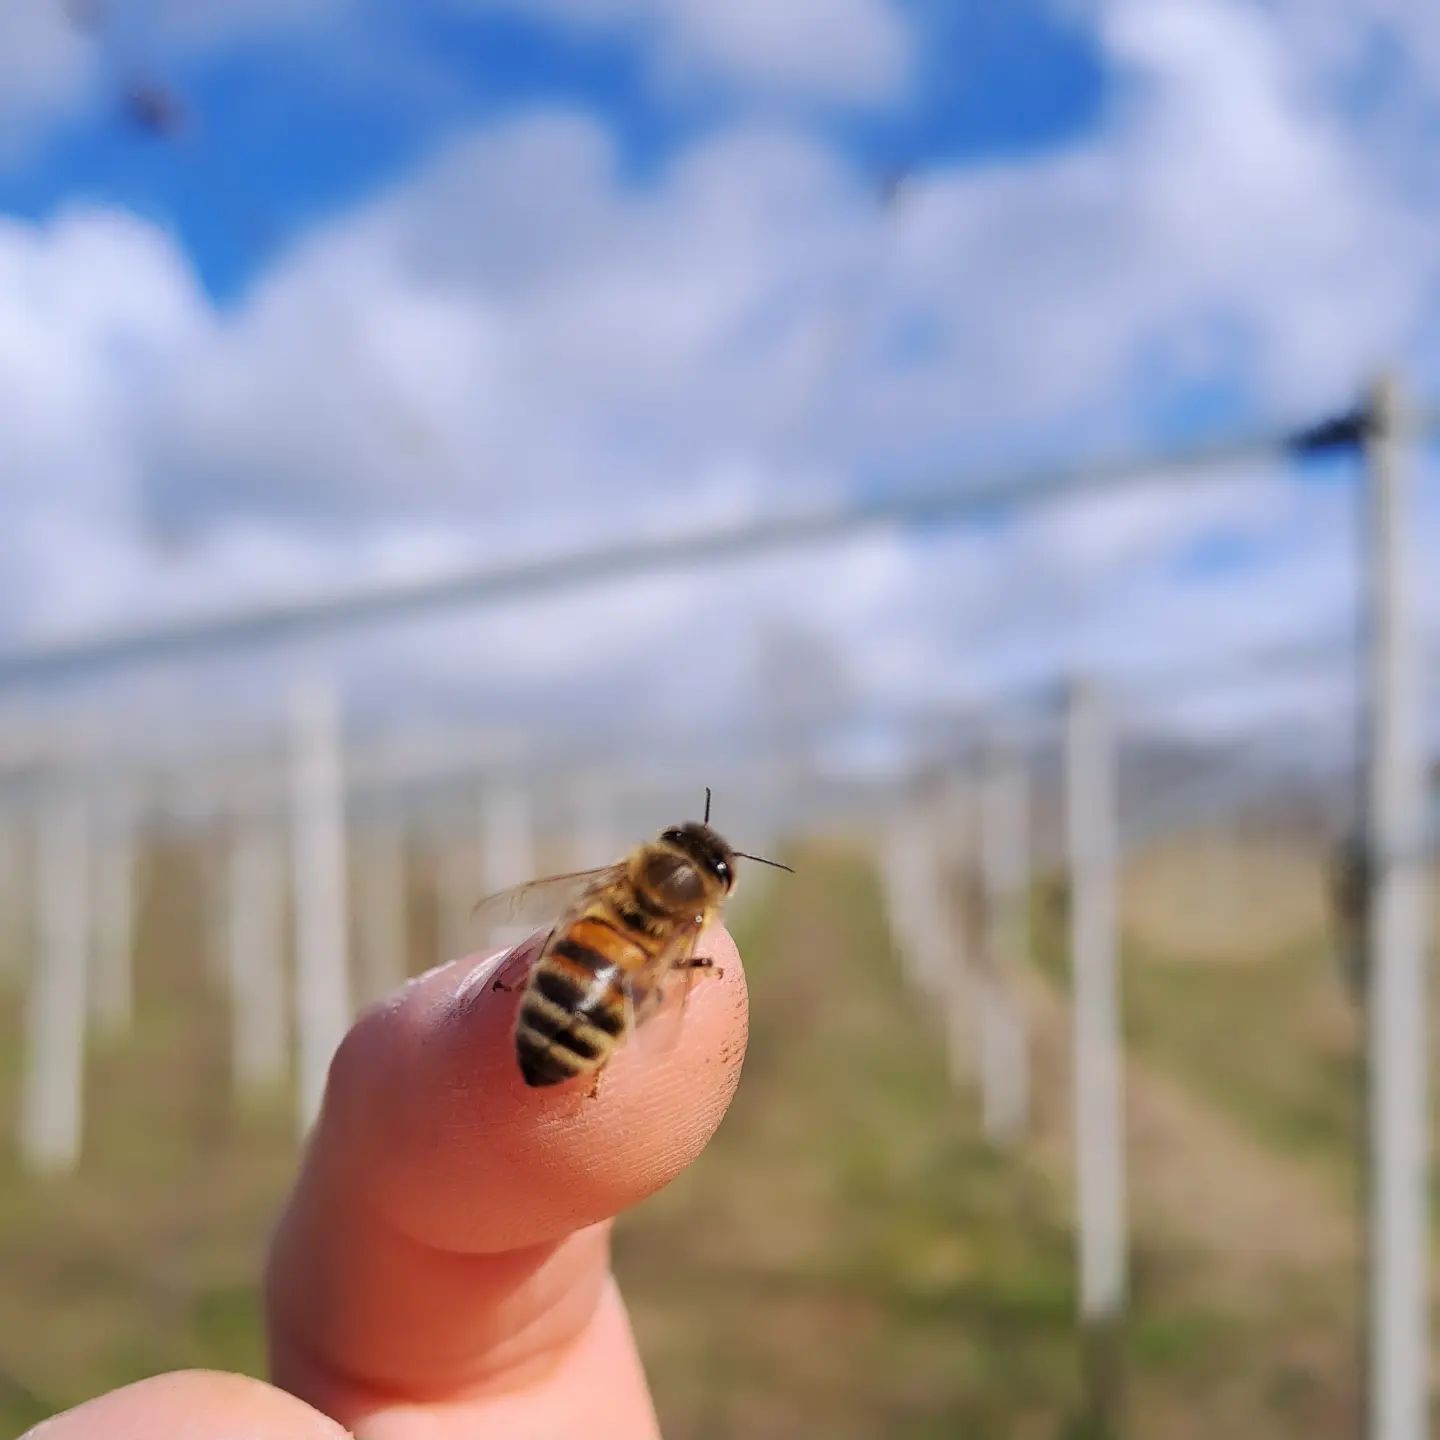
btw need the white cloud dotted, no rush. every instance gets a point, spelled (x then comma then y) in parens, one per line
(451, 351)
(46, 67)
(184, 25)
(854, 51)
(515, 350)
(96, 309)
(56, 56)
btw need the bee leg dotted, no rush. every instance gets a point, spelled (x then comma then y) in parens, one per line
(701, 962)
(593, 1093)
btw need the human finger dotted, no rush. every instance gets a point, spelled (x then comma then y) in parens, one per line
(187, 1404)
(448, 1236)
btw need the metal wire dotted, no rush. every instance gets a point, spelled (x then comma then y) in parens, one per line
(490, 584)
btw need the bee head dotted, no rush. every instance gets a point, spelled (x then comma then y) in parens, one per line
(705, 851)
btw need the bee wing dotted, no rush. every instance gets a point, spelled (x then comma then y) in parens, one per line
(660, 992)
(537, 901)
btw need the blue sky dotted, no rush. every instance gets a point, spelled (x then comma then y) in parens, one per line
(414, 285)
(279, 137)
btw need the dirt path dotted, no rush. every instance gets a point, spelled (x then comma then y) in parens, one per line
(1195, 1176)
(1222, 1222)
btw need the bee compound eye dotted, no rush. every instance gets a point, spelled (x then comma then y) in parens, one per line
(674, 881)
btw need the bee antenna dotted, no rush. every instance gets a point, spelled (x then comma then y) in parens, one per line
(741, 855)
(707, 805)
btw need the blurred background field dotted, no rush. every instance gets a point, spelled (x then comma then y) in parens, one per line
(850, 1258)
(982, 441)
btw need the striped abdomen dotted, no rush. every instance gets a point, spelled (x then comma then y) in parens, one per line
(573, 1012)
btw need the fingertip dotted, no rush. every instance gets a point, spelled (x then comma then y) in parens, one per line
(186, 1403)
(449, 1232)
(464, 1155)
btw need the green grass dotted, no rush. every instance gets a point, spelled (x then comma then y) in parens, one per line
(1270, 1039)
(848, 1259)
(147, 1258)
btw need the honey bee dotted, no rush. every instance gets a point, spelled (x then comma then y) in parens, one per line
(631, 925)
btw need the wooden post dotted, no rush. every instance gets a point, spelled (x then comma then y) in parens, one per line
(53, 1089)
(322, 994)
(1099, 1105)
(254, 911)
(1397, 1362)
(116, 860)
(1004, 862)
